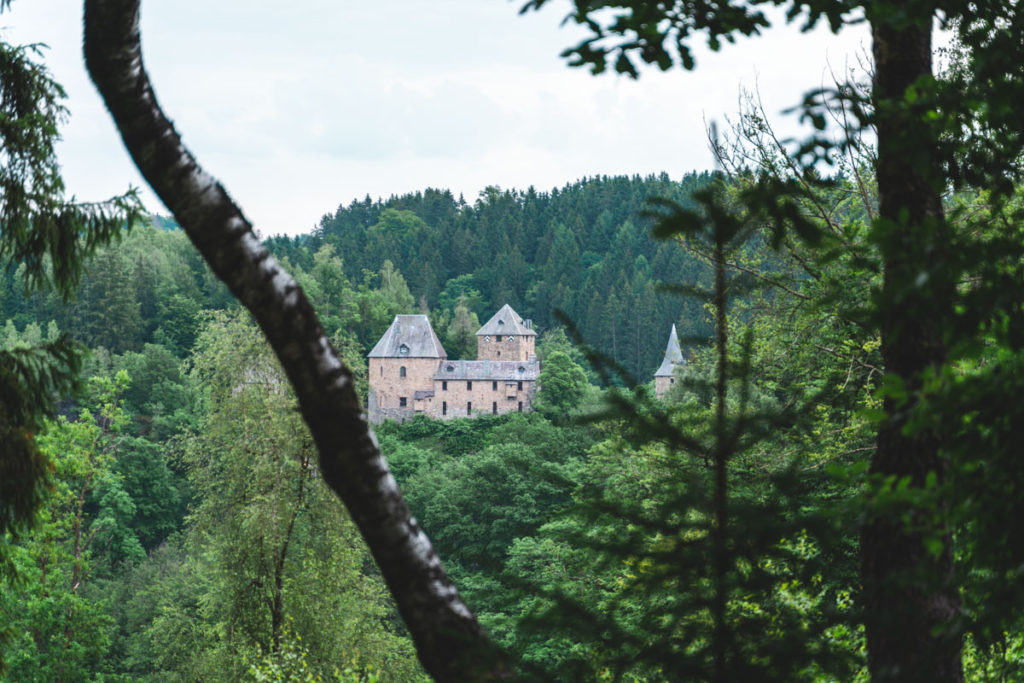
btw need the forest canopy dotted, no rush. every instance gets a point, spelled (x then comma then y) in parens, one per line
(821, 495)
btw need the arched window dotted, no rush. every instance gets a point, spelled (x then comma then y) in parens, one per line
(401, 371)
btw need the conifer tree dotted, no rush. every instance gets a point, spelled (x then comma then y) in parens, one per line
(50, 239)
(931, 134)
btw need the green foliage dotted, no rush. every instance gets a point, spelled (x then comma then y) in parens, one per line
(106, 308)
(562, 385)
(476, 505)
(292, 664)
(704, 554)
(60, 629)
(51, 237)
(460, 334)
(29, 378)
(274, 545)
(462, 289)
(180, 322)
(156, 496)
(159, 396)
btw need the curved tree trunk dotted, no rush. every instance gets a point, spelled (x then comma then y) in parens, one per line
(449, 640)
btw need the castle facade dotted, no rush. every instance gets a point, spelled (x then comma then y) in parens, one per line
(410, 372)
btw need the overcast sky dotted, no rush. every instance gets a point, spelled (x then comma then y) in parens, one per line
(300, 106)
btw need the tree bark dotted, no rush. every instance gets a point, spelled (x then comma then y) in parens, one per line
(449, 640)
(910, 598)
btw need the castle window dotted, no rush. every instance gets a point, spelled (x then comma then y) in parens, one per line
(487, 337)
(469, 385)
(404, 350)
(401, 371)
(522, 369)
(520, 406)
(401, 402)
(451, 368)
(469, 407)
(510, 338)
(494, 385)
(444, 385)
(444, 407)
(498, 339)
(494, 408)
(520, 385)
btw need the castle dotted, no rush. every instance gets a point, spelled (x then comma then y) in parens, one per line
(410, 373)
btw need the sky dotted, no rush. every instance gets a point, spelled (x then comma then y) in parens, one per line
(303, 106)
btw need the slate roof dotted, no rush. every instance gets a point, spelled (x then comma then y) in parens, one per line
(673, 356)
(415, 334)
(506, 321)
(485, 370)
(419, 395)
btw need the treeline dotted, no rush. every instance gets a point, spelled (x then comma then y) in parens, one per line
(584, 249)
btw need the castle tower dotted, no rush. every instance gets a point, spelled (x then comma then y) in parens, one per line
(665, 376)
(506, 337)
(402, 368)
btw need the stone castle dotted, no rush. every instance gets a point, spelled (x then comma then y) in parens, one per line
(410, 373)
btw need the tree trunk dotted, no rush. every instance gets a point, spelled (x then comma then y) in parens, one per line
(448, 638)
(910, 598)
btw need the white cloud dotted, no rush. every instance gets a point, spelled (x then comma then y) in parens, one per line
(300, 107)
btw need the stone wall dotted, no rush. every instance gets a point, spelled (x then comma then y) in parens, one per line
(388, 387)
(506, 398)
(662, 385)
(520, 348)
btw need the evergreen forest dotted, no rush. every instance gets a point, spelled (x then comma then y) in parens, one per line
(189, 490)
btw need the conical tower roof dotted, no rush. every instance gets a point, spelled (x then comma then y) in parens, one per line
(673, 356)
